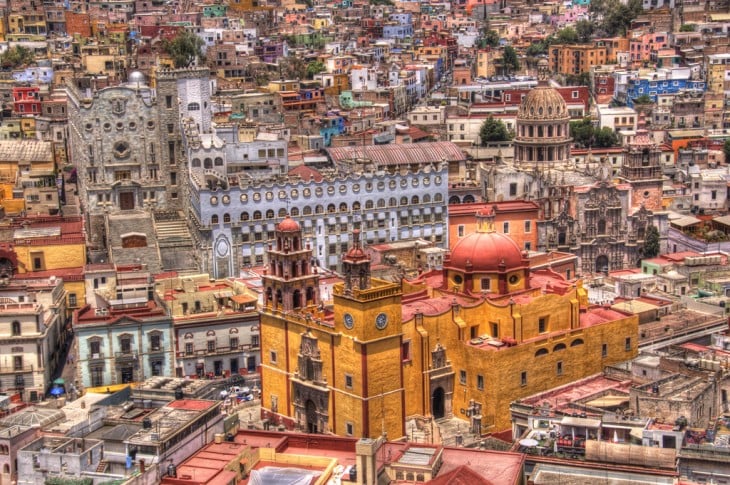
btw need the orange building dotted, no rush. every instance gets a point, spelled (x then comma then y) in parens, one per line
(516, 218)
(575, 59)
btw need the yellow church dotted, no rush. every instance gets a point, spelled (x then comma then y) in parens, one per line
(462, 342)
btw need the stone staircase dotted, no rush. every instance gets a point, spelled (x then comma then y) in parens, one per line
(103, 466)
(175, 242)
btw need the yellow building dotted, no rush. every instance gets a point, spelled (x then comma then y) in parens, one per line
(50, 247)
(463, 342)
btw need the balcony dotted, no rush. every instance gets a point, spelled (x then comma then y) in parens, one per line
(125, 355)
(218, 351)
(16, 369)
(156, 350)
(96, 356)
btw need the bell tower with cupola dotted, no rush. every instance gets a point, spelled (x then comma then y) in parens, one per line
(290, 282)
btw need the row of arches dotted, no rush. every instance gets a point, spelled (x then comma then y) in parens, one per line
(207, 162)
(542, 131)
(299, 298)
(330, 208)
(559, 347)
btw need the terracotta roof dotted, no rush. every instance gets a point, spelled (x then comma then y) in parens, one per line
(462, 475)
(306, 173)
(404, 154)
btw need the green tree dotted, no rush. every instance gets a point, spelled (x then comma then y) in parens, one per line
(726, 150)
(491, 38)
(493, 130)
(582, 79)
(568, 35)
(582, 132)
(313, 68)
(613, 17)
(536, 49)
(605, 137)
(643, 99)
(510, 62)
(184, 49)
(687, 28)
(651, 243)
(292, 67)
(16, 56)
(584, 30)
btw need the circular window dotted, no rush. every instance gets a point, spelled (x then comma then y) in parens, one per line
(513, 279)
(426, 181)
(318, 191)
(88, 126)
(282, 194)
(369, 186)
(294, 194)
(330, 190)
(107, 126)
(226, 199)
(307, 193)
(150, 125)
(646, 193)
(121, 150)
(381, 185)
(244, 197)
(343, 189)
(437, 180)
(414, 182)
(392, 184)
(269, 196)
(120, 126)
(404, 183)
(214, 200)
(132, 125)
(256, 196)
(458, 279)
(356, 188)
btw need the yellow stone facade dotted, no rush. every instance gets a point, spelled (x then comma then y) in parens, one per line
(464, 343)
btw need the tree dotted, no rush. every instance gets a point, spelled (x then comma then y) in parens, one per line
(687, 28)
(584, 30)
(582, 79)
(605, 137)
(313, 68)
(16, 56)
(493, 130)
(510, 62)
(491, 38)
(651, 243)
(568, 35)
(613, 17)
(643, 99)
(582, 132)
(726, 150)
(184, 49)
(292, 67)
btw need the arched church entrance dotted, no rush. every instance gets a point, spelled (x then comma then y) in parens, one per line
(437, 403)
(602, 264)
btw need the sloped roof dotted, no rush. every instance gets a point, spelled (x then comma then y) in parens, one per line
(461, 475)
(400, 154)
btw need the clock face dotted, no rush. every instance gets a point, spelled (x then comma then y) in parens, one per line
(381, 321)
(349, 321)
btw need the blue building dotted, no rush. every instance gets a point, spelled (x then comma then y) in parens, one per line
(661, 82)
(331, 125)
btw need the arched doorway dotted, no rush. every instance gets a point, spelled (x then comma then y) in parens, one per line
(602, 264)
(437, 403)
(311, 410)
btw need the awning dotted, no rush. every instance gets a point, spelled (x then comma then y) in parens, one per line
(270, 227)
(426, 210)
(332, 220)
(344, 219)
(404, 213)
(307, 222)
(685, 221)
(580, 422)
(439, 230)
(382, 233)
(242, 299)
(223, 294)
(370, 216)
(381, 216)
(438, 210)
(258, 228)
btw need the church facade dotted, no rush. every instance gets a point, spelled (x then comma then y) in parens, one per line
(462, 342)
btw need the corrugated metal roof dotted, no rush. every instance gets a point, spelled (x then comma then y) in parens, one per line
(405, 154)
(26, 150)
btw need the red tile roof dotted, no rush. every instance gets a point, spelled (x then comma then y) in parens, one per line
(462, 475)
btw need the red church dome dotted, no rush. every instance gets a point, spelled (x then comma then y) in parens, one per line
(486, 252)
(288, 225)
